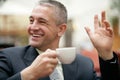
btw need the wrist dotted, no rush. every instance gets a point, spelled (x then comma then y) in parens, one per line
(106, 55)
(27, 74)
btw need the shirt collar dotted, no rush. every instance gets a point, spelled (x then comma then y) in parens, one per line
(39, 52)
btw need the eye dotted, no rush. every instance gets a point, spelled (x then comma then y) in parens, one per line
(42, 21)
(31, 21)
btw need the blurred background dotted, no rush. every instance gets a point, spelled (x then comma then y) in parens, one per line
(14, 20)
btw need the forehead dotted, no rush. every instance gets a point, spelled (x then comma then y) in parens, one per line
(38, 8)
(42, 11)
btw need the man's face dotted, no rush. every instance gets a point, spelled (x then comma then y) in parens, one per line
(42, 29)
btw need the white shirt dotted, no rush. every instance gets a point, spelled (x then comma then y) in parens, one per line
(58, 67)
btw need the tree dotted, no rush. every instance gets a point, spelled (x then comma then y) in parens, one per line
(115, 6)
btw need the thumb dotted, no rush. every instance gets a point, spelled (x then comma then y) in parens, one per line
(88, 31)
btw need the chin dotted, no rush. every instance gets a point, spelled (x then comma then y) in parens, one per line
(34, 44)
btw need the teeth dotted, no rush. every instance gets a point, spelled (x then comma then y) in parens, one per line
(36, 35)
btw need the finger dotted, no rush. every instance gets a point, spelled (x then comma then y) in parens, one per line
(50, 66)
(51, 53)
(53, 61)
(106, 23)
(96, 22)
(110, 31)
(88, 31)
(47, 60)
(103, 16)
(103, 25)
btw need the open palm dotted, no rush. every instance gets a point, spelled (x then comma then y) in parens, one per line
(102, 37)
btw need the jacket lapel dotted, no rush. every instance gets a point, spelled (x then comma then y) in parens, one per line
(30, 56)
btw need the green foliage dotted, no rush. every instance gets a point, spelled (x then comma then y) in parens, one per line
(115, 4)
(114, 21)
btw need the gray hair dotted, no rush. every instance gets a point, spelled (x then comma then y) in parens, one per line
(60, 10)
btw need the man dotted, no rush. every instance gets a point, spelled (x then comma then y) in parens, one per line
(38, 60)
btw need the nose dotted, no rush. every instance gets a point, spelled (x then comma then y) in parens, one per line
(34, 26)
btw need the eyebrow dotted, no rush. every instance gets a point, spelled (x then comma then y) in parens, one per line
(30, 17)
(40, 18)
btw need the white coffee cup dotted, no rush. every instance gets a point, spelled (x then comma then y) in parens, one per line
(66, 55)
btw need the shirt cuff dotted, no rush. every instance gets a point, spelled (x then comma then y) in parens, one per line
(114, 60)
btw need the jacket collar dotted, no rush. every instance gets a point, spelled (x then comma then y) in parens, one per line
(30, 55)
(69, 71)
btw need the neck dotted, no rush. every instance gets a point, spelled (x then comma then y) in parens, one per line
(50, 46)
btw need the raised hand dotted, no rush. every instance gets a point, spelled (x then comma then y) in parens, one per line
(102, 37)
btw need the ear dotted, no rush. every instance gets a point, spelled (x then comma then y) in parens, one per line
(62, 29)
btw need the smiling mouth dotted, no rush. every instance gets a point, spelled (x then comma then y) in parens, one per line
(37, 35)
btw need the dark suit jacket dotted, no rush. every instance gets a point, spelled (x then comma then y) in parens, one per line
(110, 71)
(13, 60)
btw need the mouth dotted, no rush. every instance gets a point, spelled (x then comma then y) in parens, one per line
(37, 36)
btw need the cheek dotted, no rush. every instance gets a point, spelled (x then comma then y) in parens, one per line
(54, 30)
(28, 29)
